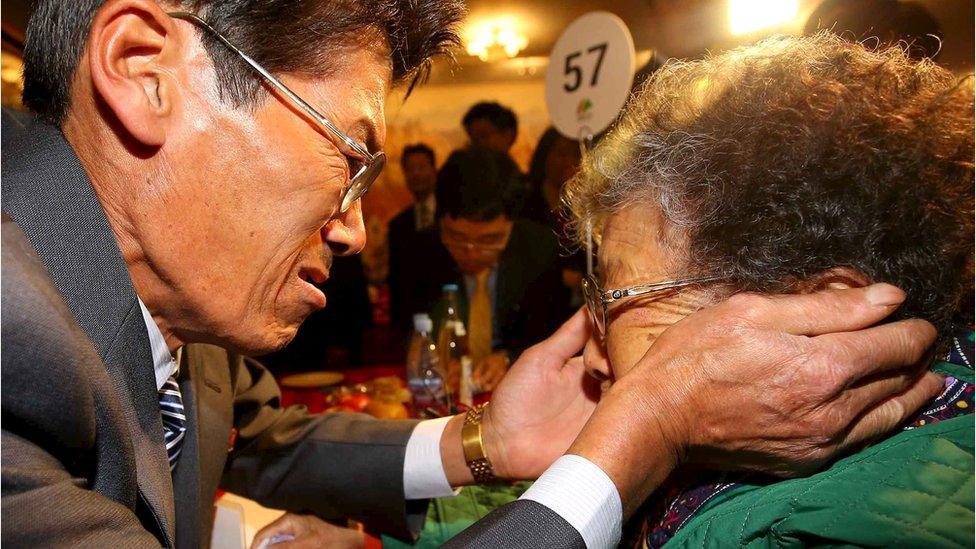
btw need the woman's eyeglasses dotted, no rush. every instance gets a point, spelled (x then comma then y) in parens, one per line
(598, 300)
(364, 167)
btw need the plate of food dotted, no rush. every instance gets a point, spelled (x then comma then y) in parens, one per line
(312, 380)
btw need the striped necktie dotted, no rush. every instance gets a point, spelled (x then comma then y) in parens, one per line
(174, 419)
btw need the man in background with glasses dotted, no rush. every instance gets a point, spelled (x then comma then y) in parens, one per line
(192, 171)
(506, 267)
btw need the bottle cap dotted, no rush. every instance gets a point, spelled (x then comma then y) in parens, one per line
(450, 288)
(422, 322)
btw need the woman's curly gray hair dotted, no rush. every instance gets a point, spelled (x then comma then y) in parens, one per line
(774, 162)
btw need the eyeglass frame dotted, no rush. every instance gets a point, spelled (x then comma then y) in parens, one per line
(592, 293)
(485, 249)
(373, 163)
(475, 247)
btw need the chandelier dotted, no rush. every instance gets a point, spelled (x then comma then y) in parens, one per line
(495, 40)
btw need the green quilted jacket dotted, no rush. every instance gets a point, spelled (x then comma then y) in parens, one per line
(914, 489)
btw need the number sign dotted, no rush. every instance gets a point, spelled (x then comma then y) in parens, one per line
(591, 69)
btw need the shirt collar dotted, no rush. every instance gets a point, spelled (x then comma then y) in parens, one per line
(163, 362)
(430, 203)
(471, 283)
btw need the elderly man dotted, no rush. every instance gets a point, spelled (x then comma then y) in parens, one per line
(168, 213)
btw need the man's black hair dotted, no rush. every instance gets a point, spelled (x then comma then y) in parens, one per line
(418, 148)
(479, 184)
(499, 116)
(301, 36)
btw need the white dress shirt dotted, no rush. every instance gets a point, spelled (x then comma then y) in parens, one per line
(164, 363)
(573, 487)
(424, 212)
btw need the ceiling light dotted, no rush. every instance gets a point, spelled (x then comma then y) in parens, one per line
(749, 16)
(495, 39)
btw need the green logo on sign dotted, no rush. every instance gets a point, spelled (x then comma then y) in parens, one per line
(584, 109)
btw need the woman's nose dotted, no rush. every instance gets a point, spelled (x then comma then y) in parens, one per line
(595, 359)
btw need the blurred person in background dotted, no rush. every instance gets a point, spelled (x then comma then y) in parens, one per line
(506, 267)
(412, 238)
(803, 164)
(555, 161)
(491, 125)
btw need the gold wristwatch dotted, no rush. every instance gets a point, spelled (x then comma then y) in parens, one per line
(474, 446)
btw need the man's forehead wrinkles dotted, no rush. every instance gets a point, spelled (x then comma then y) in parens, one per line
(356, 112)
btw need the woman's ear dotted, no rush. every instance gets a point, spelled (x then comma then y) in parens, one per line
(836, 278)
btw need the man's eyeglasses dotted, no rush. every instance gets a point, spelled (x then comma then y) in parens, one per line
(476, 247)
(364, 167)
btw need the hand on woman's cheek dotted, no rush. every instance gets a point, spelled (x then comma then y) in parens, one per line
(638, 325)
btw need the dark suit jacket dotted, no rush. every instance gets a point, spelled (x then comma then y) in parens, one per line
(83, 458)
(414, 255)
(530, 299)
(83, 462)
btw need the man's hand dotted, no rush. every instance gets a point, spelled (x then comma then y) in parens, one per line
(777, 384)
(536, 411)
(306, 532)
(541, 405)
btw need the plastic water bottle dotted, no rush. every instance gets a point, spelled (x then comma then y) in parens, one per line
(424, 376)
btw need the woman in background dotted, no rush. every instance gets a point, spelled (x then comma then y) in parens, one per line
(555, 161)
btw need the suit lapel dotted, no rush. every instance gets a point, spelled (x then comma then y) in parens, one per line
(48, 194)
(186, 477)
(209, 426)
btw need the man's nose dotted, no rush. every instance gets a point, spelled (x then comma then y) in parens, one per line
(345, 234)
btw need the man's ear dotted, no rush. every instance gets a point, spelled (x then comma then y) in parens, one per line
(507, 222)
(133, 56)
(836, 278)
(512, 136)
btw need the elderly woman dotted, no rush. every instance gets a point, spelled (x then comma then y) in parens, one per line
(790, 166)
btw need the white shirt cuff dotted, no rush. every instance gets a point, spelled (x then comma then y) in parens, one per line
(423, 470)
(584, 495)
